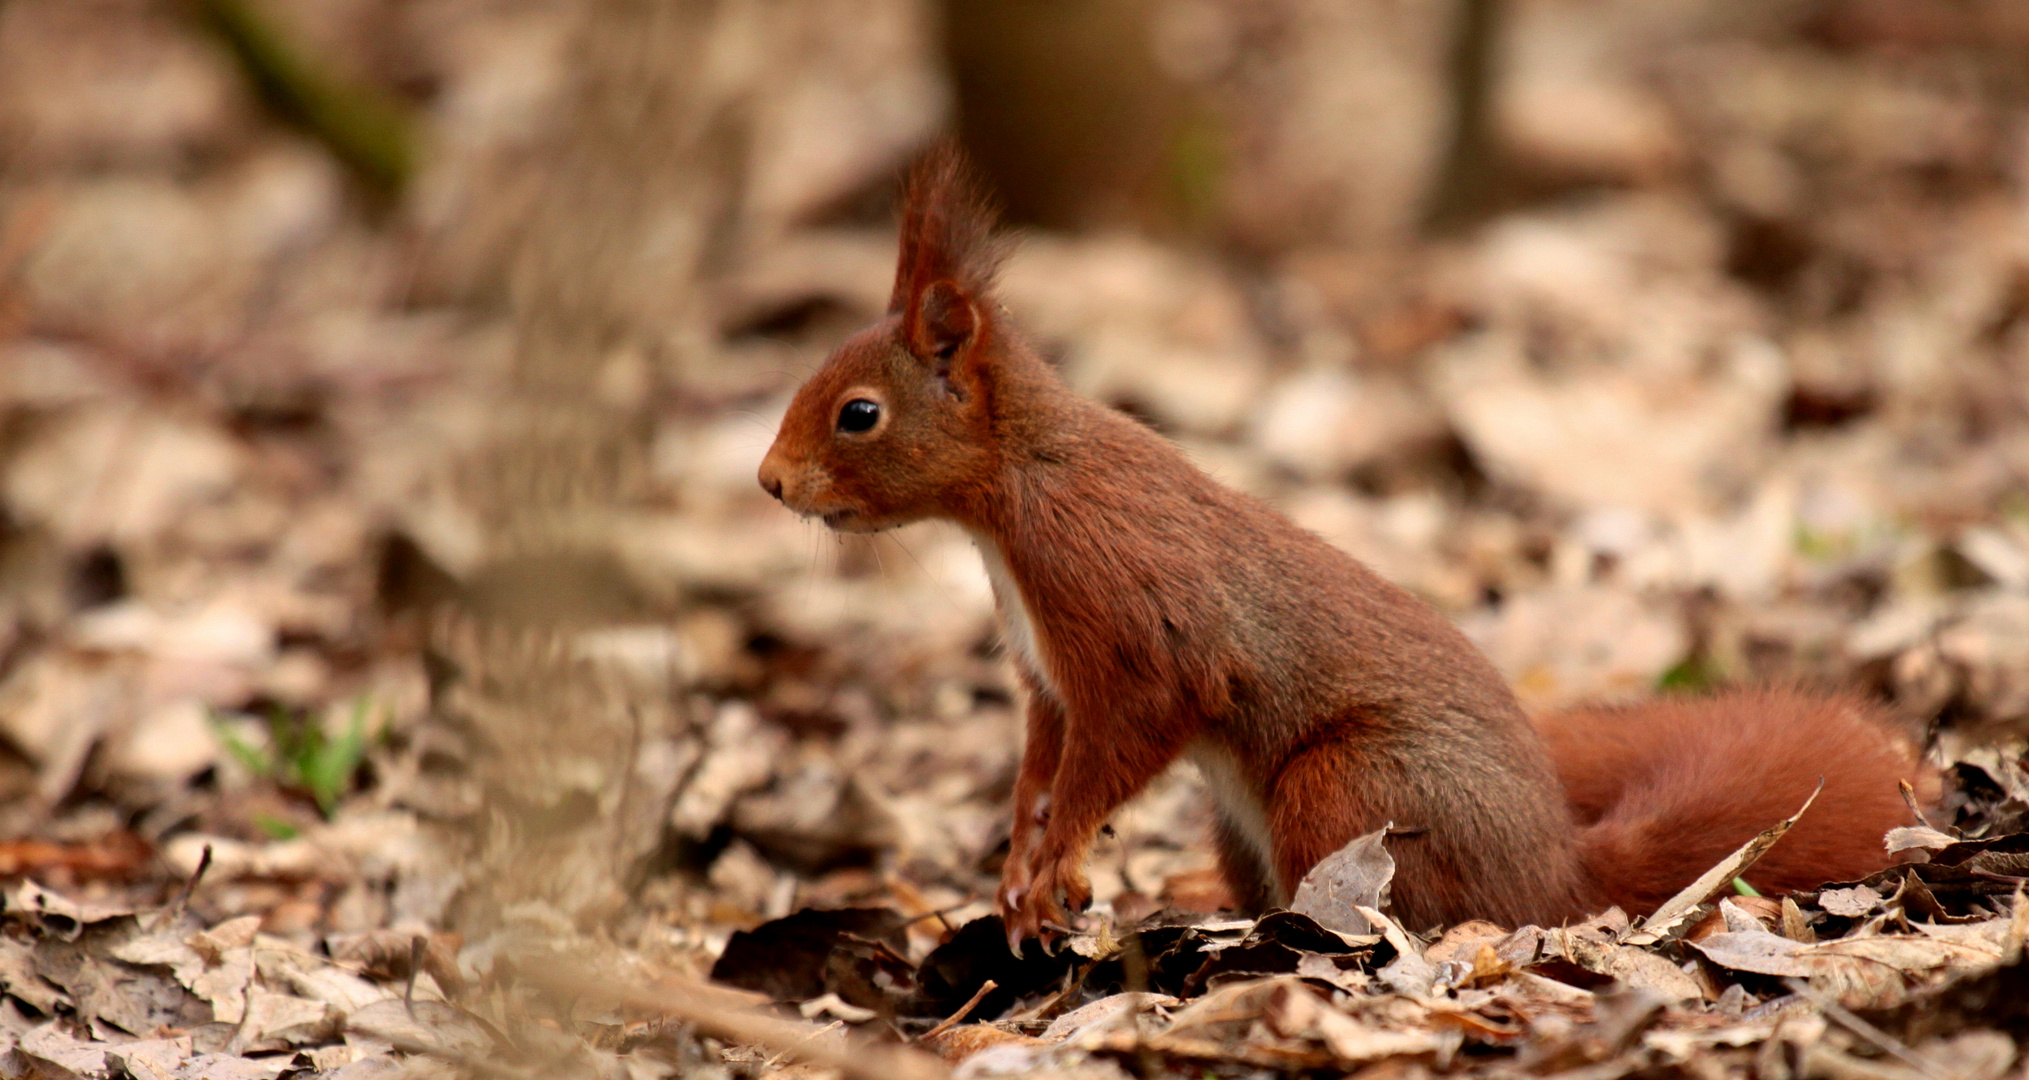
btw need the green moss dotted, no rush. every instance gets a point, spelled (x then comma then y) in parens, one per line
(364, 127)
(1691, 675)
(1197, 168)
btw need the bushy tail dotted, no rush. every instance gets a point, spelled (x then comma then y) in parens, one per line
(1664, 789)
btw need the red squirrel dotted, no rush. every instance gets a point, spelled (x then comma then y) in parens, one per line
(1154, 614)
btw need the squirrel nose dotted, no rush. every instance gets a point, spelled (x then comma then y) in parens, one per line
(771, 479)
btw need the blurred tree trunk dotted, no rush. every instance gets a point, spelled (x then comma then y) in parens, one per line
(1268, 124)
(1063, 107)
(1463, 190)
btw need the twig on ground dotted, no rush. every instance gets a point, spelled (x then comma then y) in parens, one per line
(415, 964)
(776, 1058)
(730, 1015)
(175, 909)
(1915, 806)
(952, 1021)
(1844, 1017)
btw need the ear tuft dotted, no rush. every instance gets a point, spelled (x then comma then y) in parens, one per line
(948, 254)
(941, 321)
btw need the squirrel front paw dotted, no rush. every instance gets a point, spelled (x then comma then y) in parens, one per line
(1033, 902)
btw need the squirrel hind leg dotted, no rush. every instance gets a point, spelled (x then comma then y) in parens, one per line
(1251, 882)
(1314, 809)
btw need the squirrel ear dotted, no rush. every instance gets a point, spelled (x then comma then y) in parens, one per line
(944, 275)
(940, 321)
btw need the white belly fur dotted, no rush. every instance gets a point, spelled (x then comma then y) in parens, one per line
(1239, 803)
(1016, 628)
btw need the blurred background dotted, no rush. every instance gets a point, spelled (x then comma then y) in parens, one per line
(382, 384)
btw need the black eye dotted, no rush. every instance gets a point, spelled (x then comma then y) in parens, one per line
(859, 414)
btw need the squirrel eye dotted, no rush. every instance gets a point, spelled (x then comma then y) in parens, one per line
(858, 415)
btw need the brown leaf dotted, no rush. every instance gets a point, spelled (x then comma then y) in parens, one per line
(386, 955)
(58, 916)
(1295, 1012)
(1853, 903)
(1679, 907)
(787, 958)
(1461, 942)
(151, 1059)
(1862, 972)
(966, 1040)
(68, 1057)
(1355, 876)
(134, 1000)
(1757, 951)
(282, 1021)
(19, 977)
(116, 856)
(430, 1026)
(214, 964)
(1917, 838)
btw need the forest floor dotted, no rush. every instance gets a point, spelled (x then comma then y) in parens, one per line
(401, 672)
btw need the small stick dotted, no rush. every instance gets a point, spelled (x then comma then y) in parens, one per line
(415, 965)
(937, 914)
(1909, 797)
(1049, 1006)
(776, 1059)
(879, 946)
(1886, 1042)
(949, 1022)
(732, 1016)
(175, 909)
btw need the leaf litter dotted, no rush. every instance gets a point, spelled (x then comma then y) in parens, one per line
(400, 674)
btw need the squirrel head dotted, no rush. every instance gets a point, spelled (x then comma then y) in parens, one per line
(897, 425)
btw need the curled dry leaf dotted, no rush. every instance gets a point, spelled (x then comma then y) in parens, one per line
(1679, 907)
(388, 955)
(429, 1027)
(282, 1021)
(214, 964)
(1355, 876)
(967, 1040)
(1876, 971)
(19, 978)
(53, 1049)
(1855, 902)
(58, 915)
(1295, 1012)
(152, 1059)
(1917, 838)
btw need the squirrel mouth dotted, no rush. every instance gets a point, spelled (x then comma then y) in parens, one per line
(850, 521)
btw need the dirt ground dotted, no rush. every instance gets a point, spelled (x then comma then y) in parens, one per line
(402, 674)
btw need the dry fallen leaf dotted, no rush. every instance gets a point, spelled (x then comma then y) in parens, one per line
(1687, 410)
(1679, 907)
(1355, 876)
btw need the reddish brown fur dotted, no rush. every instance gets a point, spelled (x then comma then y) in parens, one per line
(1666, 787)
(1172, 617)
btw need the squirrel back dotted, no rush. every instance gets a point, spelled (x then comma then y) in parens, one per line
(1154, 614)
